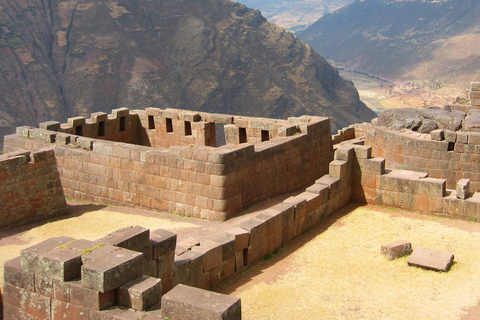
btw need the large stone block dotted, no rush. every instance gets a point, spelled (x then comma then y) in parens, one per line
(212, 254)
(463, 188)
(184, 302)
(53, 259)
(430, 259)
(30, 302)
(15, 275)
(140, 294)
(242, 238)
(112, 270)
(163, 241)
(132, 238)
(227, 242)
(80, 295)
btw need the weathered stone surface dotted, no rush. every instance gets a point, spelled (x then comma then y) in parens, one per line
(184, 302)
(423, 121)
(163, 241)
(80, 295)
(140, 294)
(15, 275)
(396, 249)
(133, 238)
(51, 258)
(212, 254)
(463, 188)
(227, 242)
(430, 259)
(242, 238)
(112, 270)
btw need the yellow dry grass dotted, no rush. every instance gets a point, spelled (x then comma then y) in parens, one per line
(91, 225)
(340, 274)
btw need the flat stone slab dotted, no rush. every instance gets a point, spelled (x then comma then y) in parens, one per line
(396, 249)
(184, 302)
(430, 259)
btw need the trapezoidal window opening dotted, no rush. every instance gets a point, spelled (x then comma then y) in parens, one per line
(101, 128)
(265, 135)
(242, 135)
(79, 130)
(451, 146)
(188, 128)
(169, 124)
(151, 122)
(123, 124)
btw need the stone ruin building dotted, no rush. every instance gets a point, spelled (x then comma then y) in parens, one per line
(170, 160)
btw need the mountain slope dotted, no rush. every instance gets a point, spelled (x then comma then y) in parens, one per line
(403, 40)
(68, 58)
(295, 15)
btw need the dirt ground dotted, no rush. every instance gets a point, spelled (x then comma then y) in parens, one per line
(334, 271)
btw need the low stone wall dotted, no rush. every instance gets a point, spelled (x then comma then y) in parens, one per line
(191, 180)
(410, 190)
(442, 154)
(30, 187)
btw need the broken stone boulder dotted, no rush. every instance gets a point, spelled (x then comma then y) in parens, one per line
(430, 259)
(422, 120)
(396, 249)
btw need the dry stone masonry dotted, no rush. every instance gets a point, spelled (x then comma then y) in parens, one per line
(169, 160)
(264, 158)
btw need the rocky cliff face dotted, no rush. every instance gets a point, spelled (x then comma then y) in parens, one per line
(68, 58)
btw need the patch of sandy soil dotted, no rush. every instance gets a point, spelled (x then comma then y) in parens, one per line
(336, 271)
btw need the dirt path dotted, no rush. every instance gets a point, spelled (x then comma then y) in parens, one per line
(335, 271)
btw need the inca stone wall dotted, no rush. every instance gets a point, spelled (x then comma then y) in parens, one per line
(30, 187)
(264, 158)
(442, 154)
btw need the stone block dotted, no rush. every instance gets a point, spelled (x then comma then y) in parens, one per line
(15, 275)
(212, 254)
(112, 270)
(462, 137)
(51, 258)
(227, 242)
(132, 238)
(50, 125)
(474, 138)
(30, 302)
(300, 206)
(80, 295)
(363, 152)
(65, 310)
(437, 135)
(184, 302)
(140, 294)
(163, 241)
(188, 243)
(98, 252)
(396, 249)
(430, 259)
(242, 238)
(463, 188)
